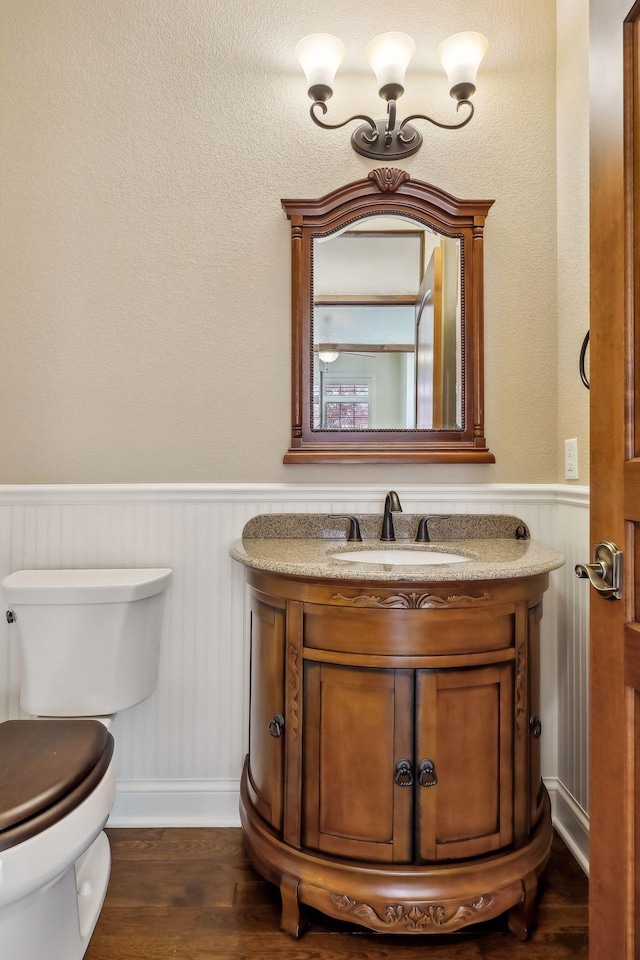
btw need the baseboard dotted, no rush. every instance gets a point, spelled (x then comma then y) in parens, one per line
(570, 820)
(214, 803)
(176, 803)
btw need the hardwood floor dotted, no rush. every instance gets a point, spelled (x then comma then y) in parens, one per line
(192, 895)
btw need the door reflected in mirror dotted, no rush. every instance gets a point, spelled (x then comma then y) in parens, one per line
(387, 328)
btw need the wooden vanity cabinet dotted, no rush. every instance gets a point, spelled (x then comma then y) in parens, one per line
(266, 719)
(393, 777)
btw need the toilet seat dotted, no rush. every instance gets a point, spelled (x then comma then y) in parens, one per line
(48, 767)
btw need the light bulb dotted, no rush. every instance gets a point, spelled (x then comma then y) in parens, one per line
(460, 56)
(389, 55)
(328, 355)
(320, 55)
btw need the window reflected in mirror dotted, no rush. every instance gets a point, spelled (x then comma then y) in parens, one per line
(387, 328)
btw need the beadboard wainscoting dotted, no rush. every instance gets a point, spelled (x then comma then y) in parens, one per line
(570, 790)
(180, 752)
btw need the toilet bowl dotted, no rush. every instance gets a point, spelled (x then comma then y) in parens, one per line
(88, 645)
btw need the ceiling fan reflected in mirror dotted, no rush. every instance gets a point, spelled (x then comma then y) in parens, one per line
(329, 350)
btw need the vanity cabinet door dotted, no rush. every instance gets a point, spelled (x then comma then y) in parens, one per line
(464, 728)
(358, 725)
(266, 730)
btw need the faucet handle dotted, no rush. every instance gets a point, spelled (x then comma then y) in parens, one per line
(422, 535)
(354, 535)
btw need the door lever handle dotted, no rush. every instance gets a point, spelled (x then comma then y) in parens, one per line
(605, 573)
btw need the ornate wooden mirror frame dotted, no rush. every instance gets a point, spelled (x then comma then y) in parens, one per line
(388, 191)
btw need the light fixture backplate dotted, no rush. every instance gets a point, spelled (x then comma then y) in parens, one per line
(377, 150)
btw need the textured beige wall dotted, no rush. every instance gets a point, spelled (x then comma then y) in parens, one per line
(144, 260)
(573, 226)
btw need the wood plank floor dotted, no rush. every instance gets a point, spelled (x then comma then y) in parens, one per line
(193, 895)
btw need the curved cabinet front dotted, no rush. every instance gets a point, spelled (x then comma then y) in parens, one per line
(266, 722)
(393, 777)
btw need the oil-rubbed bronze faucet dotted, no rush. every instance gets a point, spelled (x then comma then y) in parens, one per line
(423, 527)
(354, 535)
(391, 505)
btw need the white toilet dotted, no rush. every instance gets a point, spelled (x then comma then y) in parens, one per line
(88, 642)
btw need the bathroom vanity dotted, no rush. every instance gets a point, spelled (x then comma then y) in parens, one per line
(393, 775)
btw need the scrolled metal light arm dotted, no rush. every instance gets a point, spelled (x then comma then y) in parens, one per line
(336, 126)
(383, 139)
(437, 123)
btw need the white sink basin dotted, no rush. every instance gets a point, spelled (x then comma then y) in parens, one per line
(407, 557)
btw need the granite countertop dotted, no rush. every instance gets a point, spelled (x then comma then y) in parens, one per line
(299, 554)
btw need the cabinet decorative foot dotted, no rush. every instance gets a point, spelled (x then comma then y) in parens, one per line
(290, 921)
(522, 917)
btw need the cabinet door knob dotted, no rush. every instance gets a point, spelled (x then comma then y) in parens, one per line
(427, 773)
(403, 777)
(535, 725)
(275, 725)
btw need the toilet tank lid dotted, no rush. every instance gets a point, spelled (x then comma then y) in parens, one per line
(84, 586)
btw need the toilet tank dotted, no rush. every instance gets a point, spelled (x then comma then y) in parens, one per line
(88, 640)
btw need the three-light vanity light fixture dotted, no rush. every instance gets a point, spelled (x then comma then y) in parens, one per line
(320, 55)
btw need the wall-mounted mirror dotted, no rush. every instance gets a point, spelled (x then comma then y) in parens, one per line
(387, 324)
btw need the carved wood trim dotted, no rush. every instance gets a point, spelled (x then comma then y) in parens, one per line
(411, 192)
(293, 689)
(521, 692)
(413, 917)
(388, 179)
(522, 738)
(293, 695)
(413, 601)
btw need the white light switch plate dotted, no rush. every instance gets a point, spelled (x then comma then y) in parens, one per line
(571, 459)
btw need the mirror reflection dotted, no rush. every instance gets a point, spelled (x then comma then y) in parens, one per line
(387, 328)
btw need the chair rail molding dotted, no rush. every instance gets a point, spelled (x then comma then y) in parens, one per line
(298, 492)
